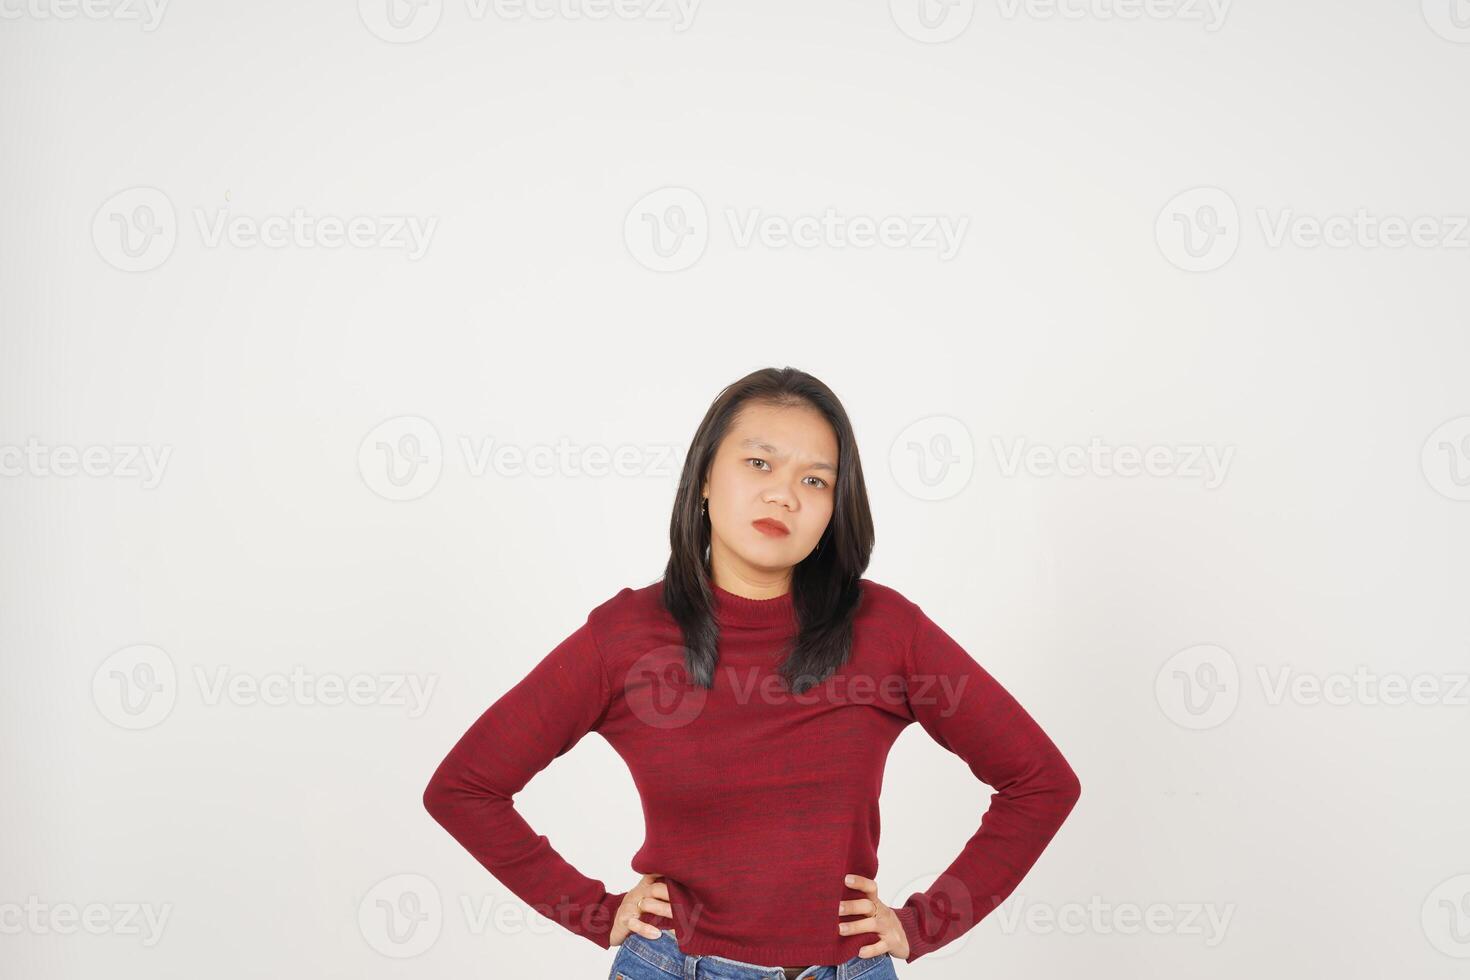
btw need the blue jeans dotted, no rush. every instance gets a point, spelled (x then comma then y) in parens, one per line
(640, 958)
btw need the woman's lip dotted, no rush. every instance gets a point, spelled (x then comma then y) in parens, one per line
(774, 528)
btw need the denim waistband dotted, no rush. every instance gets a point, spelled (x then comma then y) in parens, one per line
(664, 953)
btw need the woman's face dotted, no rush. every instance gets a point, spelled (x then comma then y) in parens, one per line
(776, 464)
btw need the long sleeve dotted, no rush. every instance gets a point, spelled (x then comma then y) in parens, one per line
(540, 718)
(967, 711)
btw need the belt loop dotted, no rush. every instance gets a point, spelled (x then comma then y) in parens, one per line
(691, 966)
(842, 971)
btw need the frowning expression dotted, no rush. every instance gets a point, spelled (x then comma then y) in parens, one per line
(771, 484)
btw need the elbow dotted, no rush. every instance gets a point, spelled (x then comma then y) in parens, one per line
(1073, 789)
(1054, 785)
(1068, 787)
(454, 794)
(437, 797)
(433, 799)
(1050, 790)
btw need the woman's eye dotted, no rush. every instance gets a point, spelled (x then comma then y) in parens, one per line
(820, 483)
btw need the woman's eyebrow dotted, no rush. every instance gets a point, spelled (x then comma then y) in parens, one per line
(771, 450)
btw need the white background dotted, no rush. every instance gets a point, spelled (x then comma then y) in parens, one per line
(1144, 620)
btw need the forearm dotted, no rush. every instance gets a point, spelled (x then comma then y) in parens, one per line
(1022, 819)
(490, 828)
(471, 793)
(1035, 788)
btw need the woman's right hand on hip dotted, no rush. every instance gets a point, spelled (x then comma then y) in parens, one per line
(649, 895)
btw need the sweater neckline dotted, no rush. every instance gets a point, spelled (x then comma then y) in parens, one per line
(737, 610)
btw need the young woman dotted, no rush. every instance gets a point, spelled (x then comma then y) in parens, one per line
(754, 692)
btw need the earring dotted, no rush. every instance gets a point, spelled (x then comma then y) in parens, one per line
(704, 505)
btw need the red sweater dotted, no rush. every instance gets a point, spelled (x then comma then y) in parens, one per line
(756, 801)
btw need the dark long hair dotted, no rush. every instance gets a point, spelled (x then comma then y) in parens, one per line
(824, 585)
